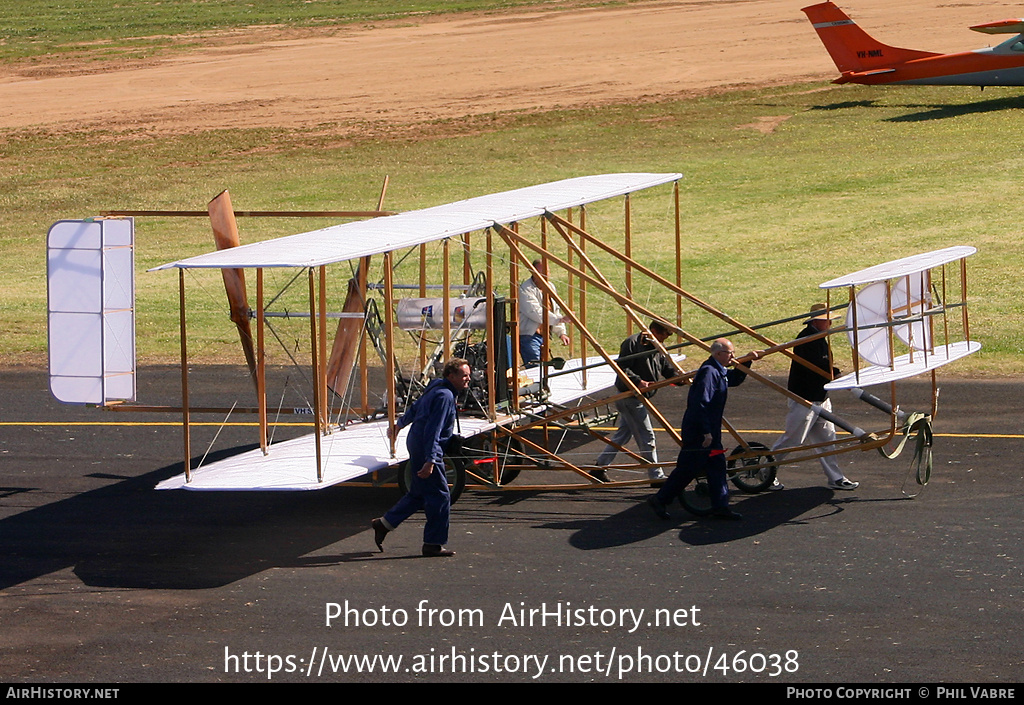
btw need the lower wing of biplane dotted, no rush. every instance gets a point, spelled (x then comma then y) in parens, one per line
(361, 449)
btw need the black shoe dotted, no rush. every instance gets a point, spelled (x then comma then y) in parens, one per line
(725, 513)
(660, 509)
(432, 549)
(700, 489)
(379, 532)
(599, 474)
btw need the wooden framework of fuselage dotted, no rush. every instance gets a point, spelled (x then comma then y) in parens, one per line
(523, 418)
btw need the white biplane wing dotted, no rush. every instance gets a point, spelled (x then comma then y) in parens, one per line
(901, 267)
(898, 302)
(906, 366)
(339, 243)
(362, 448)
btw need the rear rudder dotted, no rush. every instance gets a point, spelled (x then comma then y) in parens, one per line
(852, 49)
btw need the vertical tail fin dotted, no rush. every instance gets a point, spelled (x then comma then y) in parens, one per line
(852, 49)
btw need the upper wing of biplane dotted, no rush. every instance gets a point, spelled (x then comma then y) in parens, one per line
(898, 305)
(353, 240)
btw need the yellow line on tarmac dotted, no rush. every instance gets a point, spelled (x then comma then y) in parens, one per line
(310, 424)
(937, 435)
(980, 435)
(148, 423)
(755, 431)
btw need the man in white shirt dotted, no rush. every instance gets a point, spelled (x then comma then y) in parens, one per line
(531, 318)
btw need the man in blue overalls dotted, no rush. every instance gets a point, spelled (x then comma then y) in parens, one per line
(701, 434)
(432, 418)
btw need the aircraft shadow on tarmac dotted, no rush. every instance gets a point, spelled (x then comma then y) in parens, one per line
(129, 535)
(761, 513)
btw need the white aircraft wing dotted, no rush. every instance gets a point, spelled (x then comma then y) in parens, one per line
(347, 241)
(901, 267)
(904, 366)
(361, 448)
(896, 300)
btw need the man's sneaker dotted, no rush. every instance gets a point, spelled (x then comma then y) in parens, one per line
(762, 475)
(433, 550)
(843, 484)
(656, 474)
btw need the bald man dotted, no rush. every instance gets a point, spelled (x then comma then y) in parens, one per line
(701, 432)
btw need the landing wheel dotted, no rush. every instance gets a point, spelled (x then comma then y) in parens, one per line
(454, 470)
(507, 450)
(752, 481)
(696, 498)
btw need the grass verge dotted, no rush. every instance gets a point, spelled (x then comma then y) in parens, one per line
(784, 188)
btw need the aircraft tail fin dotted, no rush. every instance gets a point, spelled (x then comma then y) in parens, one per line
(852, 49)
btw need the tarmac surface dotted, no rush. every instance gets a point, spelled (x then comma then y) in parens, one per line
(103, 579)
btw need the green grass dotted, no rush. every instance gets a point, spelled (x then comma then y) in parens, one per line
(851, 177)
(109, 29)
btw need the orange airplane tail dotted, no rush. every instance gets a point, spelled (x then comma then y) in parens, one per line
(852, 49)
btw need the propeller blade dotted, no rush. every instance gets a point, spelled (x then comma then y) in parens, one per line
(345, 348)
(225, 234)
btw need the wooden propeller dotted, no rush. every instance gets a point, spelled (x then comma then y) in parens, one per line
(345, 348)
(225, 234)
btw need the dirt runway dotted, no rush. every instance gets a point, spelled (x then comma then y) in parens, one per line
(447, 67)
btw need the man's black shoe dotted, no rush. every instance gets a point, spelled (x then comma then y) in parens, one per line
(660, 509)
(599, 474)
(379, 532)
(432, 549)
(725, 513)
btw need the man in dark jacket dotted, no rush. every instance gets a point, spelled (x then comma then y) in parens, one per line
(701, 433)
(432, 418)
(644, 364)
(804, 425)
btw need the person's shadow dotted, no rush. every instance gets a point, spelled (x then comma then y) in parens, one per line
(761, 513)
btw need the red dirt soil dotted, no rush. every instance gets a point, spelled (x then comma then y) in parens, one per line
(447, 67)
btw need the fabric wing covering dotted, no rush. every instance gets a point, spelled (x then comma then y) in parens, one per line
(339, 243)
